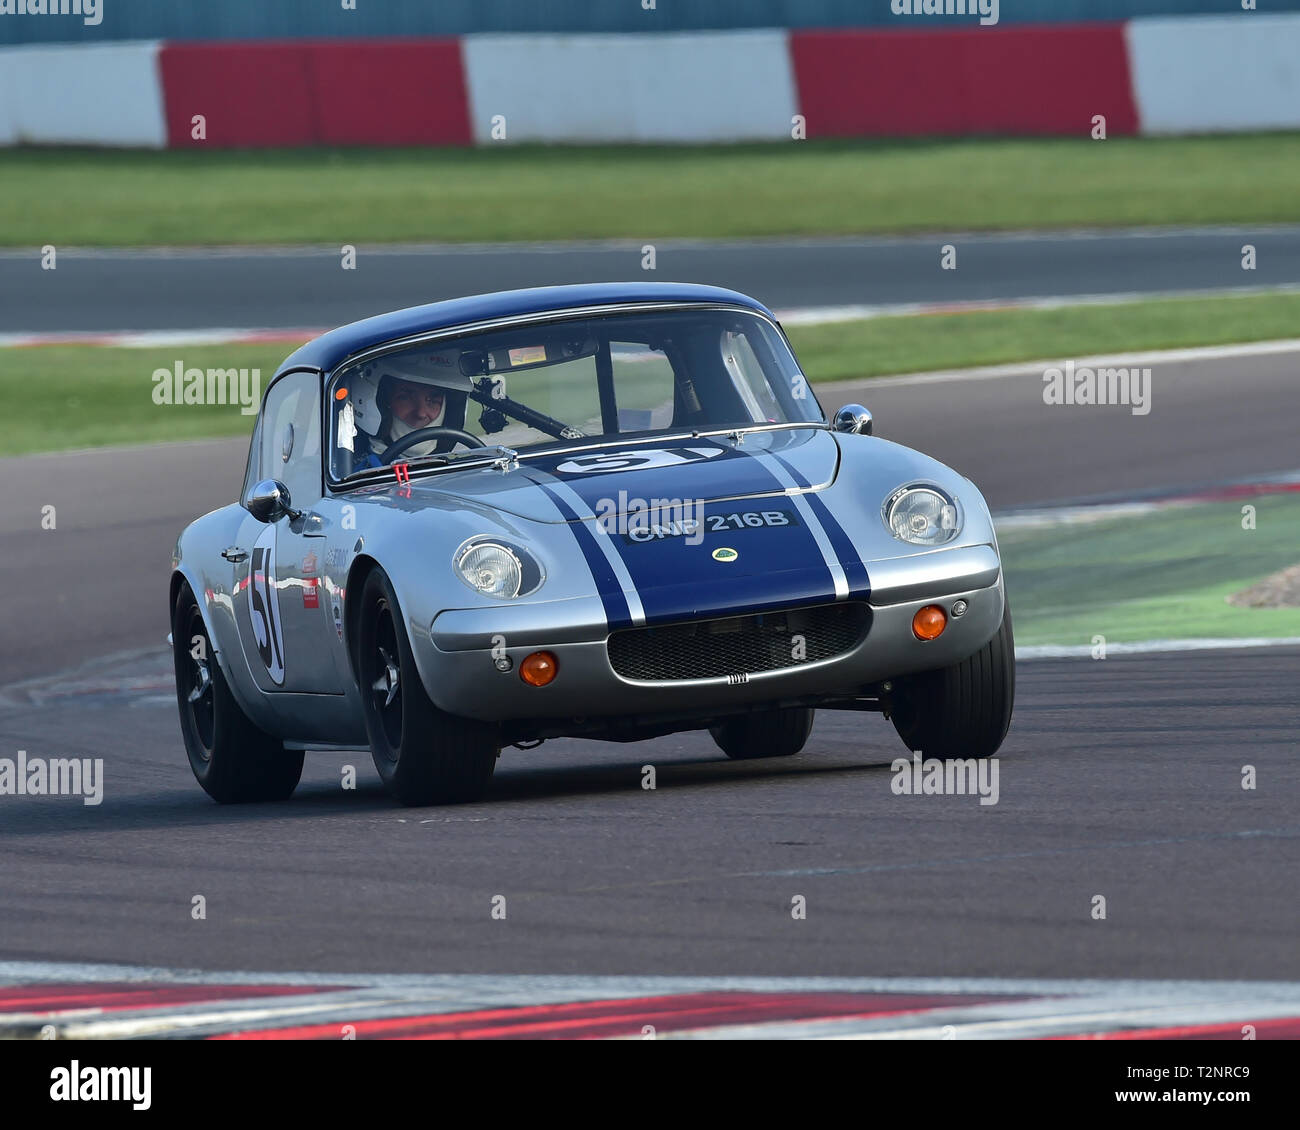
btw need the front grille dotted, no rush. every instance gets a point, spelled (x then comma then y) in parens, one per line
(738, 645)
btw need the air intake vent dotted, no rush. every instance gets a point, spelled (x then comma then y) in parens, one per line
(738, 646)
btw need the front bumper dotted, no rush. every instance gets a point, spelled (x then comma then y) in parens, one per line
(457, 654)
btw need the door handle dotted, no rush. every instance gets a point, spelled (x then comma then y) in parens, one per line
(234, 553)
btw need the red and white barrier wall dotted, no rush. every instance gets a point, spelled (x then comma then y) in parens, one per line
(1216, 73)
(1148, 76)
(99, 94)
(685, 86)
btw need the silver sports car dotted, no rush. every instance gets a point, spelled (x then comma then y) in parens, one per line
(610, 511)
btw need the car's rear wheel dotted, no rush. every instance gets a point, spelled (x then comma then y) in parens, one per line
(766, 733)
(232, 759)
(423, 754)
(963, 710)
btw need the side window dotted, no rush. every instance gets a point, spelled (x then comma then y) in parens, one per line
(288, 438)
(643, 378)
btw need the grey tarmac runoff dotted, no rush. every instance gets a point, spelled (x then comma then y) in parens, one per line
(1119, 778)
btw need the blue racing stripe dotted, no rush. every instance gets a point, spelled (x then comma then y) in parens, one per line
(778, 559)
(617, 613)
(774, 566)
(855, 571)
(770, 567)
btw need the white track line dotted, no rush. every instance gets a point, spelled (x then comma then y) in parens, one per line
(1036, 368)
(1148, 647)
(798, 316)
(148, 339)
(522, 985)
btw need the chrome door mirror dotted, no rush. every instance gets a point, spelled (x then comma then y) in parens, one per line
(854, 419)
(269, 501)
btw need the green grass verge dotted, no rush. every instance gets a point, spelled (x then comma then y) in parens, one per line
(84, 396)
(77, 396)
(85, 197)
(1160, 575)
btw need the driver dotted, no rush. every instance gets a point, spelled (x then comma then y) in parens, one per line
(407, 406)
(403, 394)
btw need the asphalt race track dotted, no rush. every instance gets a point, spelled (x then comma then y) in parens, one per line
(1119, 778)
(189, 289)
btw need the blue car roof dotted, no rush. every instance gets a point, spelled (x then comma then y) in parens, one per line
(328, 350)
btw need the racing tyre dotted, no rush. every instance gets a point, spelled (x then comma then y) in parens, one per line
(232, 759)
(423, 754)
(768, 733)
(964, 710)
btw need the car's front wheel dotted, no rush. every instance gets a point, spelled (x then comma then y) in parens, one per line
(766, 733)
(232, 759)
(963, 710)
(423, 754)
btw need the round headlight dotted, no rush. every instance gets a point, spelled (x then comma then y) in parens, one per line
(490, 568)
(922, 516)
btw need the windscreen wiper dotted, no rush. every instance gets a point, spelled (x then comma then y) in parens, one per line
(503, 458)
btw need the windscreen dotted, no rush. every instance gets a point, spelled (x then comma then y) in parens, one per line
(564, 382)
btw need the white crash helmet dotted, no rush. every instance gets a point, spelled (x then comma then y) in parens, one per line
(441, 369)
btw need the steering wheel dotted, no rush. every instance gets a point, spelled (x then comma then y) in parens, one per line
(423, 435)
